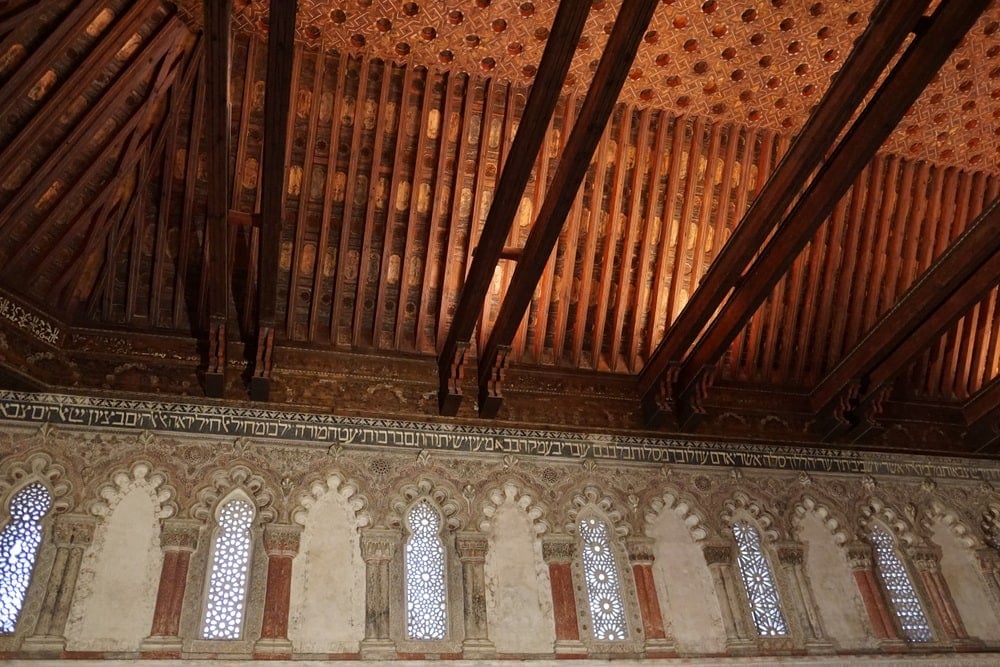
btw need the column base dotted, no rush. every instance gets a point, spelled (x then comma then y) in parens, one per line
(273, 648)
(893, 646)
(660, 648)
(571, 648)
(478, 648)
(377, 649)
(44, 645)
(742, 647)
(161, 647)
(968, 644)
(820, 647)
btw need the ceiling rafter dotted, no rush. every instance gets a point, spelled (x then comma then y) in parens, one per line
(888, 28)
(218, 53)
(15, 14)
(630, 25)
(982, 415)
(277, 99)
(565, 34)
(916, 67)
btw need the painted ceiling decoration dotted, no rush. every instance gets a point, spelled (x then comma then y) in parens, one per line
(777, 221)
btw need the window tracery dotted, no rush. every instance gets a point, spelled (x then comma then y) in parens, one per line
(426, 594)
(899, 587)
(758, 579)
(229, 572)
(600, 571)
(19, 542)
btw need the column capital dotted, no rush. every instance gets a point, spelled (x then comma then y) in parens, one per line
(379, 544)
(859, 555)
(282, 539)
(925, 558)
(472, 546)
(559, 548)
(988, 558)
(72, 530)
(640, 550)
(791, 553)
(180, 534)
(718, 552)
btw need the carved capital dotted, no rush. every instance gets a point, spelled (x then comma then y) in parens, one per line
(558, 548)
(925, 558)
(718, 553)
(640, 549)
(472, 547)
(988, 559)
(74, 530)
(859, 555)
(791, 553)
(180, 534)
(282, 539)
(379, 544)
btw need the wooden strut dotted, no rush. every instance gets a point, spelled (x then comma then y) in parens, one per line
(631, 24)
(922, 59)
(556, 58)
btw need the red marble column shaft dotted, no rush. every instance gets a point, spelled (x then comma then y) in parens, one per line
(170, 594)
(878, 612)
(563, 601)
(277, 597)
(944, 604)
(649, 604)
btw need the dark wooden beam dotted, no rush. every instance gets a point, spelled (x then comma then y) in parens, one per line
(889, 26)
(559, 49)
(918, 65)
(632, 22)
(982, 414)
(218, 51)
(277, 99)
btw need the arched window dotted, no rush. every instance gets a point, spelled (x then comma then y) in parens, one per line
(899, 587)
(759, 582)
(229, 571)
(426, 593)
(600, 571)
(19, 541)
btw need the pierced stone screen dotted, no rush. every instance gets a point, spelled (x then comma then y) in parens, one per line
(759, 581)
(601, 574)
(227, 587)
(19, 542)
(426, 596)
(897, 583)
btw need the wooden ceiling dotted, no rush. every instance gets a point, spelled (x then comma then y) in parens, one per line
(718, 237)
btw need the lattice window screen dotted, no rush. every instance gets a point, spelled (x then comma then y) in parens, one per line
(426, 594)
(765, 607)
(230, 570)
(603, 588)
(897, 583)
(19, 542)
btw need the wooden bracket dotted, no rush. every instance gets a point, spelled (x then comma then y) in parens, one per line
(491, 384)
(260, 382)
(692, 400)
(661, 405)
(451, 372)
(215, 372)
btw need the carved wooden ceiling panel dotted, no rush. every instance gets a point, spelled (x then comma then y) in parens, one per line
(760, 63)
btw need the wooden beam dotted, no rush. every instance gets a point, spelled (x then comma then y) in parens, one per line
(630, 25)
(890, 24)
(945, 292)
(218, 51)
(277, 99)
(982, 414)
(903, 86)
(559, 49)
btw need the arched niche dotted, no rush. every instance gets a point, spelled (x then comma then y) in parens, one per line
(116, 591)
(838, 600)
(964, 578)
(518, 592)
(327, 610)
(683, 582)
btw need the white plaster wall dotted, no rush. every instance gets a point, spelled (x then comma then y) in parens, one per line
(116, 591)
(841, 608)
(518, 592)
(684, 587)
(968, 589)
(328, 581)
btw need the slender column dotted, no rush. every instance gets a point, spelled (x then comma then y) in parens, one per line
(281, 542)
(988, 560)
(719, 557)
(72, 535)
(558, 552)
(472, 548)
(927, 561)
(860, 558)
(178, 539)
(378, 546)
(791, 558)
(640, 555)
